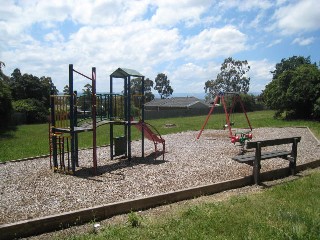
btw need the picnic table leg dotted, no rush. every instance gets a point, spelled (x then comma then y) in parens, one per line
(256, 164)
(293, 161)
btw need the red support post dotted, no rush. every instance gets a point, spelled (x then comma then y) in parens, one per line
(227, 116)
(208, 116)
(245, 113)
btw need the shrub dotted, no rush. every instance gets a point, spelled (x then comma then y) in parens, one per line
(134, 219)
(34, 109)
(5, 104)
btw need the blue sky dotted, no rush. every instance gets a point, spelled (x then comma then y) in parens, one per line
(185, 39)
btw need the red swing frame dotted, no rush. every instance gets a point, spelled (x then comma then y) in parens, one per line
(236, 98)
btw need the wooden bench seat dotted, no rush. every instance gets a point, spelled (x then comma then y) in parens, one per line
(249, 159)
(255, 159)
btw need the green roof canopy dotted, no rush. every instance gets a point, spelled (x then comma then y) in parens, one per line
(125, 72)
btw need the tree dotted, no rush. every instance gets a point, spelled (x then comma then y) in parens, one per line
(289, 64)
(1, 65)
(232, 78)
(3, 77)
(48, 88)
(294, 89)
(87, 90)
(148, 85)
(5, 99)
(15, 83)
(34, 91)
(85, 99)
(66, 90)
(163, 86)
(136, 84)
(28, 86)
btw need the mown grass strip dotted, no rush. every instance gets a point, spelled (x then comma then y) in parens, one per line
(287, 211)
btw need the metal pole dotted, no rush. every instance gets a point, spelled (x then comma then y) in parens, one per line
(76, 139)
(125, 112)
(71, 112)
(53, 136)
(111, 119)
(94, 120)
(129, 118)
(142, 116)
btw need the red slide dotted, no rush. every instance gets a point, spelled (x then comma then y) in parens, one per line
(152, 134)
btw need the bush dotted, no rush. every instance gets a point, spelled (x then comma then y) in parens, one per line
(34, 109)
(248, 102)
(5, 104)
(294, 89)
(316, 109)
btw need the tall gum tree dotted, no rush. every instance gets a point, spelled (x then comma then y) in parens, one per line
(232, 78)
(163, 86)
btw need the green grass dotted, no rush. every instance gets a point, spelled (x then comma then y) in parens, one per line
(32, 140)
(287, 211)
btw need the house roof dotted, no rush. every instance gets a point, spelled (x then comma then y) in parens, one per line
(125, 72)
(182, 102)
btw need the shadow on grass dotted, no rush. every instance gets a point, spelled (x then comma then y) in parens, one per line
(114, 168)
(7, 132)
(281, 181)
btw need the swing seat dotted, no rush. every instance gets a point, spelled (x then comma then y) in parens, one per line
(226, 125)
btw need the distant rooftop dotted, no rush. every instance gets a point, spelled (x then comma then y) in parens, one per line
(175, 102)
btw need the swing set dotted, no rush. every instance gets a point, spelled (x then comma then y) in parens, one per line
(238, 136)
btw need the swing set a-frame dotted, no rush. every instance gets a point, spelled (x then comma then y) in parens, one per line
(238, 136)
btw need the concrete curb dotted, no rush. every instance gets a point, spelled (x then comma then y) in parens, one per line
(64, 220)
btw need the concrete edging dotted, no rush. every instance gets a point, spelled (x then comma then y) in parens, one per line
(64, 220)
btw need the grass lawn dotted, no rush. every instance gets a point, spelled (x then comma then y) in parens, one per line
(287, 211)
(32, 140)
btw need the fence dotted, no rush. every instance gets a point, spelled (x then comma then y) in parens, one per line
(178, 112)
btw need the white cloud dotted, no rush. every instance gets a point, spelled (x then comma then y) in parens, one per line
(54, 36)
(190, 77)
(139, 47)
(274, 42)
(260, 74)
(211, 43)
(245, 5)
(256, 21)
(97, 13)
(151, 36)
(300, 16)
(281, 2)
(137, 43)
(18, 18)
(170, 12)
(303, 41)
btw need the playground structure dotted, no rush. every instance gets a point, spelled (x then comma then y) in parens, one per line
(71, 115)
(238, 136)
(63, 125)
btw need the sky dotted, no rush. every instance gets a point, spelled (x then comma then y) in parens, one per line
(187, 40)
